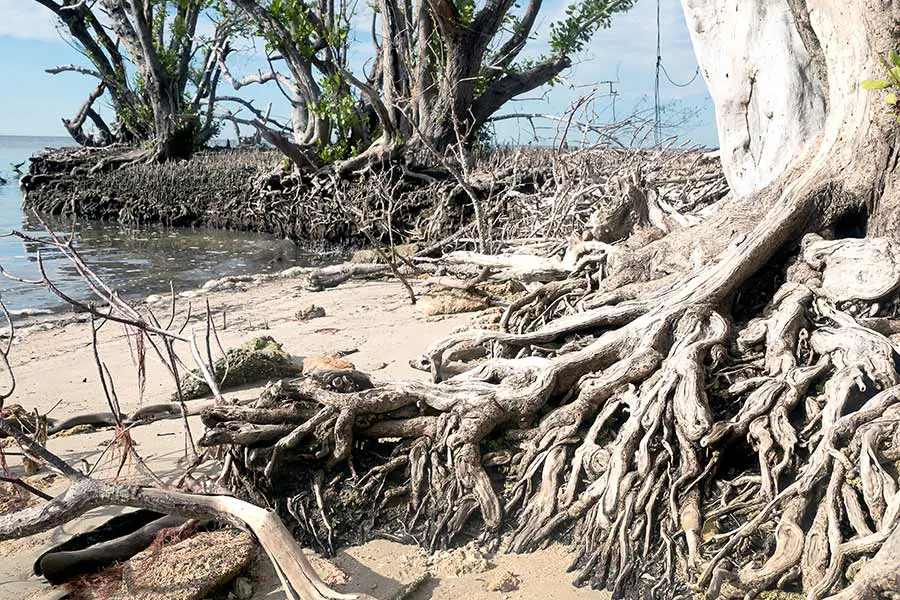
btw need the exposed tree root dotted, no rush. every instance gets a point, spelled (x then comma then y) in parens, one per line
(676, 449)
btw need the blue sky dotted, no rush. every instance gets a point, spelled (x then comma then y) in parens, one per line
(34, 101)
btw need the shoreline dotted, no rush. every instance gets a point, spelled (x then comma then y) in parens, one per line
(241, 189)
(28, 320)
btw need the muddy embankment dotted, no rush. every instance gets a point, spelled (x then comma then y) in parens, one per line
(252, 190)
(522, 193)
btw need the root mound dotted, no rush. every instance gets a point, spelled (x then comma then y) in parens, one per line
(676, 449)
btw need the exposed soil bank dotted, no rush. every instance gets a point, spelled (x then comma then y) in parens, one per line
(521, 193)
(242, 189)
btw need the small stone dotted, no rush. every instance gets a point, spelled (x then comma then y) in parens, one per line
(311, 364)
(153, 299)
(503, 581)
(189, 294)
(310, 312)
(293, 272)
(210, 285)
(242, 588)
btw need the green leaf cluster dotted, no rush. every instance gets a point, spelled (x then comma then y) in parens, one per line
(294, 15)
(339, 104)
(466, 10)
(583, 19)
(892, 68)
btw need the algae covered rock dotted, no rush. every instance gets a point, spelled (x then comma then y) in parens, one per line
(189, 570)
(258, 359)
(310, 312)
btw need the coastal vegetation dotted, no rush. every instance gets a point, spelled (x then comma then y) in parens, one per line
(144, 59)
(440, 71)
(698, 391)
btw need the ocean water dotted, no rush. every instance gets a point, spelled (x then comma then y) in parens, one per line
(135, 262)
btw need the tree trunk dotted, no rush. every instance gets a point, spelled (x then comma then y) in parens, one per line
(451, 118)
(784, 77)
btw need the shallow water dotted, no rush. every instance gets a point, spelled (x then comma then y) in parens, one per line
(136, 263)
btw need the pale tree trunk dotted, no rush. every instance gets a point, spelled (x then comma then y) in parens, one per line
(784, 76)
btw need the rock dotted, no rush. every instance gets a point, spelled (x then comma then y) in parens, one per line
(503, 581)
(472, 561)
(312, 364)
(154, 299)
(189, 570)
(365, 257)
(293, 272)
(189, 294)
(259, 359)
(459, 562)
(508, 290)
(452, 302)
(242, 588)
(407, 249)
(310, 312)
(372, 256)
(330, 573)
(230, 282)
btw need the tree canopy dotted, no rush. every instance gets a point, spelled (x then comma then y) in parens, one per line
(434, 73)
(150, 61)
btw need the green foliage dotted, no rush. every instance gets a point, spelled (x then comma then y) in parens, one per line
(583, 19)
(892, 82)
(294, 15)
(305, 32)
(338, 103)
(466, 9)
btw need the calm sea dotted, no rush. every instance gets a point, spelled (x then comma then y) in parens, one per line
(136, 262)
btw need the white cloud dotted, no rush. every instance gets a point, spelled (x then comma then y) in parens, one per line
(28, 20)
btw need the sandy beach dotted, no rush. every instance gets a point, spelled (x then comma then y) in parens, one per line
(55, 369)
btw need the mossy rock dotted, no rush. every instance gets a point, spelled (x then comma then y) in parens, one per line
(259, 359)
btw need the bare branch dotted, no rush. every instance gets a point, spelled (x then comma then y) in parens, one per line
(74, 69)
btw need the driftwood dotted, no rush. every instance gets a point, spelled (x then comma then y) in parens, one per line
(84, 494)
(79, 557)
